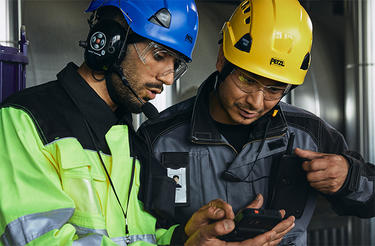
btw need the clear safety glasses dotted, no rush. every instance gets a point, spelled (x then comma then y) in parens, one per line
(248, 84)
(162, 55)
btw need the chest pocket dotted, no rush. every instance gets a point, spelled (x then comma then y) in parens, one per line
(190, 168)
(290, 187)
(81, 180)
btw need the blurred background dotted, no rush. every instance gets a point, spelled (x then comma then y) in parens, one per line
(339, 86)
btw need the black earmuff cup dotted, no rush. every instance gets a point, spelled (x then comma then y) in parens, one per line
(104, 44)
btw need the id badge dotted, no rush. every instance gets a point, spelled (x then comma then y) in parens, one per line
(177, 169)
(179, 176)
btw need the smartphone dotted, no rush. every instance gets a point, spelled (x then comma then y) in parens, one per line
(251, 223)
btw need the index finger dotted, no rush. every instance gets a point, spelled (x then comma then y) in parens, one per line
(308, 154)
(315, 165)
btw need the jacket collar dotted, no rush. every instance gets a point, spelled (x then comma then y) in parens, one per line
(203, 129)
(93, 108)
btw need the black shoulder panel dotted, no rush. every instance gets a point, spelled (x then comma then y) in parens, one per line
(169, 119)
(328, 139)
(52, 111)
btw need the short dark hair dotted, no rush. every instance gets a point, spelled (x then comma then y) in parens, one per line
(176, 176)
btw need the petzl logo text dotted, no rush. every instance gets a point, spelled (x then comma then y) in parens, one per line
(189, 38)
(277, 62)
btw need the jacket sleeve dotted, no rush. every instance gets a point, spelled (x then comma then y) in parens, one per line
(357, 195)
(34, 209)
(161, 200)
(168, 236)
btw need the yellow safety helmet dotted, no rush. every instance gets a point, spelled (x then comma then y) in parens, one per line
(270, 38)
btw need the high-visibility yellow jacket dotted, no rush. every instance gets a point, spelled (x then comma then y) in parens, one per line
(53, 188)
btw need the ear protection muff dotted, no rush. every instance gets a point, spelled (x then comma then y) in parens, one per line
(105, 45)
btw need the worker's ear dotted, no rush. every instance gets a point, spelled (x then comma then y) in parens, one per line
(220, 59)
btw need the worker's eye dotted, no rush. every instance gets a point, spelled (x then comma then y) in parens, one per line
(160, 55)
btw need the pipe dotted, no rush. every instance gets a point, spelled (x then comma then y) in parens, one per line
(19, 18)
(4, 22)
(369, 74)
(369, 81)
(360, 91)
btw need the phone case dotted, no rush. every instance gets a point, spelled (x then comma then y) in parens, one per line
(251, 223)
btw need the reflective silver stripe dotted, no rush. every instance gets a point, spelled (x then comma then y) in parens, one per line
(82, 231)
(96, 240)
(124, 241)
(92, 240)
(29, 227)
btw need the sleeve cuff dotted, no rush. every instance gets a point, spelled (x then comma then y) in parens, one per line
(351, 182)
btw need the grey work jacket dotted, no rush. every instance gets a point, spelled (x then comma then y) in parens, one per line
(185, 137)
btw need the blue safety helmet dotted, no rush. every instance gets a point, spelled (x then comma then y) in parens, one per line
(172, 23)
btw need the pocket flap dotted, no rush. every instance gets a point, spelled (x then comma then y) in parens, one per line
(175, 160)
(75, 160)
(71, 153)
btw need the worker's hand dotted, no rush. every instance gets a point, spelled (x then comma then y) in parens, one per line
(213, 211)
(325, 172)
(279, 230)
(206, 234)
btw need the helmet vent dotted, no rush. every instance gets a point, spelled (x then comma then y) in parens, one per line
(306, 62)
(244, 44)
(247, 21)
(246, 10)
(244, 4)
(161, 18)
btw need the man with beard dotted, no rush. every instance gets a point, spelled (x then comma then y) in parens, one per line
(72, 170)
(70, 162)
(234, 139)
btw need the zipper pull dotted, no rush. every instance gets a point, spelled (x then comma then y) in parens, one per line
(126, 226)
(127, 240)
(127, 237)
